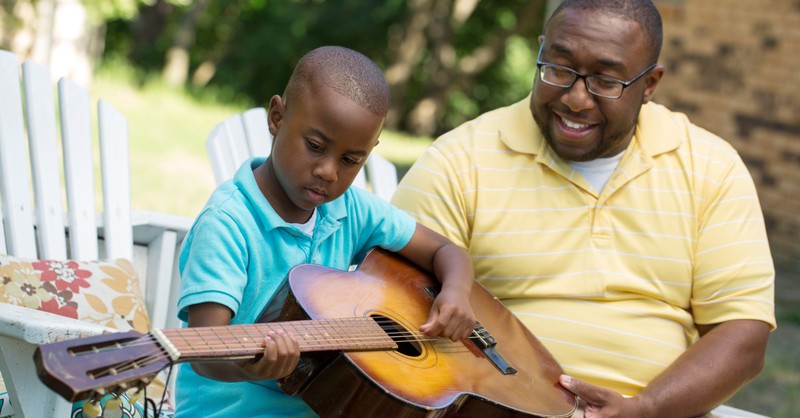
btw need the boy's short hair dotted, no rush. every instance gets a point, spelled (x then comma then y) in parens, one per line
(346, 71)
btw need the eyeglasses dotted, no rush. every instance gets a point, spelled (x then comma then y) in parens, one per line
(599, 85)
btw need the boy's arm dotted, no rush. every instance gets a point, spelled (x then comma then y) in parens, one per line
(281, 351)
(451, 315)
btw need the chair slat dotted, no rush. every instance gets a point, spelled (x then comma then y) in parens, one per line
(361, 180)
(382, 176)
(14, 178)
(256, 129)
(115, 166)
(40, 117)
(78, 169)
(237, 143)
(221, 161)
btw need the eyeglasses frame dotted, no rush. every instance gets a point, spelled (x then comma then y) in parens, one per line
(625, 84)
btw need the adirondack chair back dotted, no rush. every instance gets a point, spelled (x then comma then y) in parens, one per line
(37, 230)
(47, 237)
(247, 135)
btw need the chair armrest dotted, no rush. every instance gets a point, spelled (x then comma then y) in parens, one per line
(38, 327)
(161, 236)
(725, 411)
(148, 225)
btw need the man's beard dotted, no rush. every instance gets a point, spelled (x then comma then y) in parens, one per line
(594, 152)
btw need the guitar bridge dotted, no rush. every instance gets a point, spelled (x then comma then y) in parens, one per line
(486, 343)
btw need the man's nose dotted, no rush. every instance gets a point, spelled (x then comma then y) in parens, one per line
(578, 97)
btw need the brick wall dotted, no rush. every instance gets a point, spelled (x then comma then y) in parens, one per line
(733, 66)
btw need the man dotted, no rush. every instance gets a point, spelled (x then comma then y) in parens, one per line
(629, 241)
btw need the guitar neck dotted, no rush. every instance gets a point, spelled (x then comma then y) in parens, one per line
(247, 341)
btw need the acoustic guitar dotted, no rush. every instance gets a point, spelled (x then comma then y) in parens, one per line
(362, 353)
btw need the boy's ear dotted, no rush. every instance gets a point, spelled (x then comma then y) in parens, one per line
(276, 113)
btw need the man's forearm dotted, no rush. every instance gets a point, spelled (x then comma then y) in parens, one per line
(710, 371)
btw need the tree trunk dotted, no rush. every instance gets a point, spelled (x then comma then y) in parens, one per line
(450, 72)
(407, 45)
(176, 69)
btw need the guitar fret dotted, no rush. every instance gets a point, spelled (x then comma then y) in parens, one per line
(349, 329)
(247, 340)
(250, 339)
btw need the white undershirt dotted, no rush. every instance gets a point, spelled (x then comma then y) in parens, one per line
(308, 227)
(598, 171)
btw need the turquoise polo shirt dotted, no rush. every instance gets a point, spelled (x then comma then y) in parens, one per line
(237, 254)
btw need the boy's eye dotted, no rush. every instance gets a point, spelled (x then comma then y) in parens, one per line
(352, 160)
(313, 146)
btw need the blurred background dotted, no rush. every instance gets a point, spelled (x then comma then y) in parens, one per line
(176, 68)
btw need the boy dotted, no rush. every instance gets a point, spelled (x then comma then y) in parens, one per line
(296, 207)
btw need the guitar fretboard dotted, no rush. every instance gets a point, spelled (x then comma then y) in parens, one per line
(347, 334)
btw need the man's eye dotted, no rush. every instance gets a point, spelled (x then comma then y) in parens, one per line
(605, 82)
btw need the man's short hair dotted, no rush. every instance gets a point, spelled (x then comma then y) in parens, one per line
(643, 12)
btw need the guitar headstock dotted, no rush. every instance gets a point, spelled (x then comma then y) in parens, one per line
(111, 363)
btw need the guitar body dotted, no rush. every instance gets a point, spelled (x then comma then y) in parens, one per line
(422, 378)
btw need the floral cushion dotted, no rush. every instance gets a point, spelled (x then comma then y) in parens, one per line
(102, 292)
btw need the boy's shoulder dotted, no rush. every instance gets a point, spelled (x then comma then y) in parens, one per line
(359, 206)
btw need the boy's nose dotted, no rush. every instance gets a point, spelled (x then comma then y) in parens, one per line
(326, 170)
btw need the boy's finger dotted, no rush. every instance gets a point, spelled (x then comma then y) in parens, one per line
(433, 326)
(270, 347)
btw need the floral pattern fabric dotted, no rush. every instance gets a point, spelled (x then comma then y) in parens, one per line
(102, 292)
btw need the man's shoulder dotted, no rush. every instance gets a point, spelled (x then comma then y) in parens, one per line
(666, 128)
(507, 121)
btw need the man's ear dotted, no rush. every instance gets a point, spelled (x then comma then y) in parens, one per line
(276, 113)
(651, 82)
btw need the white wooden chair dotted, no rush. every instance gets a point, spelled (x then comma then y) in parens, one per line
(246, 135)
(39, 231)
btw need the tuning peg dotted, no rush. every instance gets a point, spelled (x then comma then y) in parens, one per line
(91, 409)
(136, 396)
(113, 403)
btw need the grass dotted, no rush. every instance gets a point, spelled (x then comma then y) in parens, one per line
(171, 174)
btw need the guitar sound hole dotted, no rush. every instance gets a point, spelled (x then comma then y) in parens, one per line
(407, 344)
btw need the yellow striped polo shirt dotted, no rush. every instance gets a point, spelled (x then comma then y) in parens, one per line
(614, 283)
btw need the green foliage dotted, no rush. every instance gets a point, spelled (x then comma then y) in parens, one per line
(263, 40)
(105, 10)
(254, 45)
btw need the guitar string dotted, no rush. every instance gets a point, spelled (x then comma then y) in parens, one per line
(439, 343)
(443, 345)
(159, 353)
(204, 338)
(322, 333)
